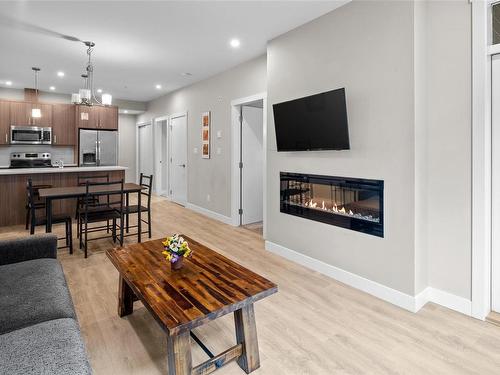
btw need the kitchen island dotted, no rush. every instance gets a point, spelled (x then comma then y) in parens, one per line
(13, 188)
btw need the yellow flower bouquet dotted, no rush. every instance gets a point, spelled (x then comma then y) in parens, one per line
(175, 250)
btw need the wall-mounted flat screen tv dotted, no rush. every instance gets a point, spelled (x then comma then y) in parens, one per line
(316, 122)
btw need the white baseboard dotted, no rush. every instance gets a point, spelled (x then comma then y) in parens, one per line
(211, 214)
(403, 300)
(450, 301)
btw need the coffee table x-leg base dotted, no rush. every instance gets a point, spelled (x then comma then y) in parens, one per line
(245, 352)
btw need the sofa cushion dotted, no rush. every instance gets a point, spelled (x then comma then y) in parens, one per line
(53, 347)
(32, 292)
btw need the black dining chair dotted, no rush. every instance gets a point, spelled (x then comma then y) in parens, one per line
(38, 217)
(38, 203)
(94, 211)
(81, 181)
(146, 183)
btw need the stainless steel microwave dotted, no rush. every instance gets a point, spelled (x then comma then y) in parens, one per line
(30, 135)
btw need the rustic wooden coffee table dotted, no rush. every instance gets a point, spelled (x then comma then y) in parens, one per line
(209, 286)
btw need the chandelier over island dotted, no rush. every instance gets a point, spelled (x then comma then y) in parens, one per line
(86, 95)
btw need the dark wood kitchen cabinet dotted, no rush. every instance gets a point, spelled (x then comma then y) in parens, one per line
(20, 114)
(63, 125)
(4, 122)
(97, 117)
(108, 118)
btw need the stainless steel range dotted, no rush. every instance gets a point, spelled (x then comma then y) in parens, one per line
(30, 160)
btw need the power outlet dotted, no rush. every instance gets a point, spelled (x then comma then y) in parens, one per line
(208, 197)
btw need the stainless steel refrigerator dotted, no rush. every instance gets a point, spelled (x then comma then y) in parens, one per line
(98, 147)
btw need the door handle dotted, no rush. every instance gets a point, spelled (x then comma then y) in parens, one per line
(6, 140)
(55, 138)
(181, 165)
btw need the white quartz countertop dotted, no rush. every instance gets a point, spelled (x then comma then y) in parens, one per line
(17, 171)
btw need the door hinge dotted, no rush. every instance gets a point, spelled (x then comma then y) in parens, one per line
(240, 211)
(170, 192)
(240, 165)
(240, 119)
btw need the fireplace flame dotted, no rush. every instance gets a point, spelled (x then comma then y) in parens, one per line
(341, 210)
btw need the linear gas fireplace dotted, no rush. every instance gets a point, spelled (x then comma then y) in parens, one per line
(352, 203)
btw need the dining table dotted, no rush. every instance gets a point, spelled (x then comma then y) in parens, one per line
(67, 192)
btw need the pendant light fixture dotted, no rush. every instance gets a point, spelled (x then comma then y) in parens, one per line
(86, 94)
(35, 111)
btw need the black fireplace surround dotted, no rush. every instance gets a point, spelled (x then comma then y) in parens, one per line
(352, 203)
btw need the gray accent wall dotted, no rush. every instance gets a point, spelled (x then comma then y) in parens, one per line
(366, 47)
(406, 69)
(211, 177)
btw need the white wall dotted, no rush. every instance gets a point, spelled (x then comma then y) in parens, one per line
(449, 145)
(126, 146)
(211, 176)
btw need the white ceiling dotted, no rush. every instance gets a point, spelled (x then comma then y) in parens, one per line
(140, 44)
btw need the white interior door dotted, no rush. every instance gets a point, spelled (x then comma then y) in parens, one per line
(146, 154)
(495, 199)
(161, 156)
(164, 158)
(252, 173)
(178, 159)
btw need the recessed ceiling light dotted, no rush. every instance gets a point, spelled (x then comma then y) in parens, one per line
(235, 43)
(52, 88)
(186, 74)
(60, 74)
(158, 87)
(99, 90)
(125, 111)
(8, 83)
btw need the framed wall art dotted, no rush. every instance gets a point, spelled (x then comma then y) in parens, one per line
(205, 135)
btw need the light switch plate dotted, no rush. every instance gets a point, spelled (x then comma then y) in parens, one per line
(195, 150)
(219, 133)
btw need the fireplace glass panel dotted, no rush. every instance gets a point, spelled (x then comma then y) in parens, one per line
(351, 203)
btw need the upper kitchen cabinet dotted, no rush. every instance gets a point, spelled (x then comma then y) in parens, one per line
(108, 118)
(20, 114)
(63, 125)
(4, 122)
(97, 117)
(87, 117)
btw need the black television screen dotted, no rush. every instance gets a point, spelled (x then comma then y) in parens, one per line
(316, 122)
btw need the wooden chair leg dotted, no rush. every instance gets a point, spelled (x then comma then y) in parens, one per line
(246, 334)
(127, 221)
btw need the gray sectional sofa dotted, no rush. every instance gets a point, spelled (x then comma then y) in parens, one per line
(39, 333)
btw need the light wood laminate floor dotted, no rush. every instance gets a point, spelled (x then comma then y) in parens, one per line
(313, 325)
